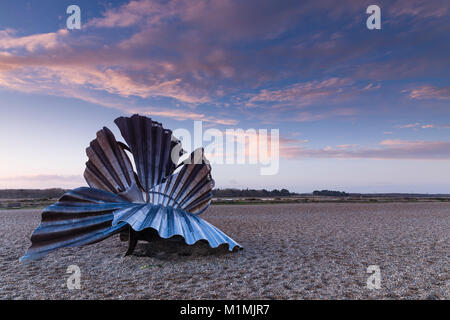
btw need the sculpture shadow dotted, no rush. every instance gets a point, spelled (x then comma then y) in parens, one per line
(152, 245)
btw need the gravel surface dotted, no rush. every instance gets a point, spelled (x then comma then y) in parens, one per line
(291, 251)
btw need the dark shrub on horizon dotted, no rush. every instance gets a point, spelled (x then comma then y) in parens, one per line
(54, 193)
(330, 193)
(231, 193)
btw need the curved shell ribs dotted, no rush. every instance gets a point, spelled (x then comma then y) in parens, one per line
(120, 200)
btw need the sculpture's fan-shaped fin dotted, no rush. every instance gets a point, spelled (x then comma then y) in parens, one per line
(168, 222)
(190, 189)
(109, 168)
(82, 216)
(151, 146)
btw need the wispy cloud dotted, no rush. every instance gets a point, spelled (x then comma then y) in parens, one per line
(304, 93)
(417, 125)
(387, 149)
(409, 125)
(316, 116)
(429, 92)
(418, 8)
(187, 53)
(31, 43)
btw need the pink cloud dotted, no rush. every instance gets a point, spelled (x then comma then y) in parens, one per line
(225, 18)
(410, 125)
(311, 116)
(417, 125)
(418, 8)
(31, 43)
(346, 146)
(112, 80)
(127, 15)
(429, 92)
(387, 149)
(304, 93)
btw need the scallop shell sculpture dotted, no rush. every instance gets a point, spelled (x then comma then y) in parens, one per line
(135, 204)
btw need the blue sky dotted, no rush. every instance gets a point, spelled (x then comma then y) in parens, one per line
(358, 110)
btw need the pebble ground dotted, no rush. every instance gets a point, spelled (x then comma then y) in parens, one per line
(291, 251)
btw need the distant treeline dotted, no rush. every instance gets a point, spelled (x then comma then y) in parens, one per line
(330, 193)
(231, 193)
(31, 193)
(56, 193)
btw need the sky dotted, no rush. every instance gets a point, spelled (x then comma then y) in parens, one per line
(357, 110)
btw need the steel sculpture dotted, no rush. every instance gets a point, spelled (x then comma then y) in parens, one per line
(138, 204)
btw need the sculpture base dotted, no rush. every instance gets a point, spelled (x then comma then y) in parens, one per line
(166, 248)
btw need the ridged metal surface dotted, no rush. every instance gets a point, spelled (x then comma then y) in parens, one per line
(109, 168)
(190, 189)
(118, 197)
(151, 146)
(82, 216)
